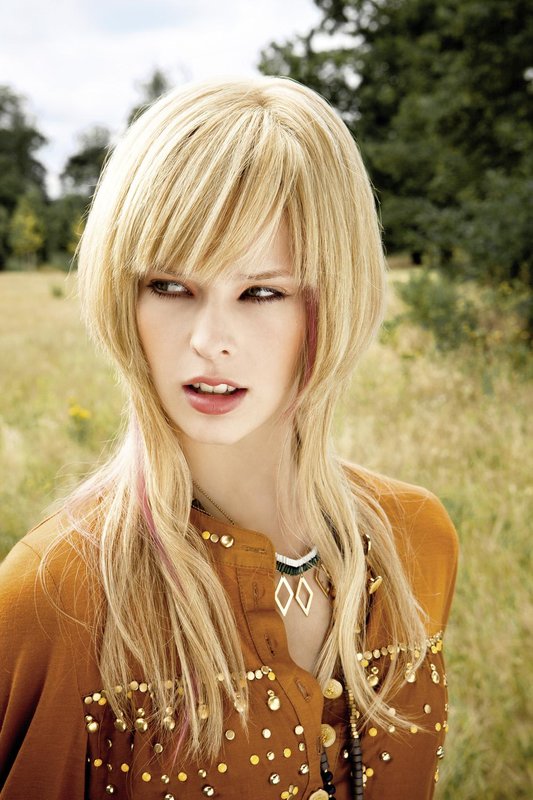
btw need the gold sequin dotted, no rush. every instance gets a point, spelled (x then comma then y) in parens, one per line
(182, 777)
(141, 725)
(287, 752)
(206, 535)
(438, 726)
(222, 767)
(413, 729)
(369, 772)
(93, 726)
(250, 675)
(202, 773)
(385, 756)
(208, 790)
(169, 723)
(333, 689)
(146, 777)
(229, 734)
(327, 734)
(274, 778)
(134, 686)
(98, 762)
(373, 732)
(427, 709)
(125, 767)
(214, 537)
(373, 680)
(87, 700)
(299, 729)
(266, 733)
(273, 701)
(258, 674)
(270, 755)
(110, 789)
(120, 725)
(254, 759)
(271, 675)
(301, 746)
(226, 540)
(165, 778)
(158, 748)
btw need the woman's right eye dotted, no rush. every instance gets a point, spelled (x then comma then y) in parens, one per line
(167, 288)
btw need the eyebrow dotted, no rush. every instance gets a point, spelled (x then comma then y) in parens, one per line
(261, 276)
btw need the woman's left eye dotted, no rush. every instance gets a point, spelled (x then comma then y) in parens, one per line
(273, 294)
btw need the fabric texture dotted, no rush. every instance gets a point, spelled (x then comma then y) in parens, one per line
(59, 738)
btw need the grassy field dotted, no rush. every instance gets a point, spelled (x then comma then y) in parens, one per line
(458, 424)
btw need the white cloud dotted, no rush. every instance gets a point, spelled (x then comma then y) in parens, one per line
(80, 62)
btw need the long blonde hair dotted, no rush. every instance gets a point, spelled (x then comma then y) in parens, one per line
(207, 169)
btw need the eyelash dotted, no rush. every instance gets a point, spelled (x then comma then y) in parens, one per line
(154, 284)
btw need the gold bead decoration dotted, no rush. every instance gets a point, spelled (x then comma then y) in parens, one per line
(98, 762)
(435, 677)
(110, 789)
(287, 752)
(226, 540)
(373, 732)
(146, 777)
(182, 777)
(413, 729)
(385, 756)
(203, 711)
(333, 689)
(427, 709)
(165, 778)
(202, 773)
(285, 795)
(369, 772)
(87, 700)
(327, 734)
(410, 675)
(222, 767)
(266, 733)
(271, 675)
(214, 537)
(258, 674)
(438, 726)
(141, 725)
(208, 791)
(125, 767)
(93, 726)
(169, 796)
(304, 769)
(134, 686)
(158, 748)
(270, 755)
(299, 729)
(229, 734)
(274, 778)
(250, 675)
(169, 723)
(254, 759)
(206, 535)
(373, 680)
(120, 725)
(440, 751)
(301, 746)
(273, 702)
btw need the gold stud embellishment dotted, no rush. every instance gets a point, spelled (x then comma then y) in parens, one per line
(206, 535)
(226, 540)
(385, 756)
(141, 725)
(146, 777)
(440, 751)
(303, 769)
(229, 734)
(274, 778)
(270, 755)
(222, 767)
(299, 729)
(327, 734)
(254, 759)
(182, 777)
(266, 733)
(208, 791)
(273, 701)
(110, 789)
(333, 689)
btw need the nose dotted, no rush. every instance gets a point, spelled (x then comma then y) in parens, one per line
(211, 331)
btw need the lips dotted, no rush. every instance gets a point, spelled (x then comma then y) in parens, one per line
(213, 381)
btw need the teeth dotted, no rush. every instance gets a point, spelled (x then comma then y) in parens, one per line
(220, 388)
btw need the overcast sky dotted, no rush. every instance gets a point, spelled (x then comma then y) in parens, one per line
(80, 62)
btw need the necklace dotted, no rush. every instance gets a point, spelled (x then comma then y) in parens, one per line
(286, 565)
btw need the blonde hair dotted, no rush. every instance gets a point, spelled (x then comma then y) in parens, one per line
(204, 171)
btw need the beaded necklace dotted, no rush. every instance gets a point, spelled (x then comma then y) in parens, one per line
(296, 567)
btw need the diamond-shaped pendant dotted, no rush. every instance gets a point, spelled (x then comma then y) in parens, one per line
(284, 583)
(305, 606)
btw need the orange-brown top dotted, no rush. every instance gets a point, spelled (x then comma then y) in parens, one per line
(59, 738)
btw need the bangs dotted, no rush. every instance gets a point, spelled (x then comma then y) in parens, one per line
(203, 198)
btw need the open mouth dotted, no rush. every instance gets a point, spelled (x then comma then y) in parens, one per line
(228, 391)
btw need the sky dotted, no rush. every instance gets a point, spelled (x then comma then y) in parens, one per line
(80, 63)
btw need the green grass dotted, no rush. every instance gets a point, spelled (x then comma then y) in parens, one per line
(458, 424)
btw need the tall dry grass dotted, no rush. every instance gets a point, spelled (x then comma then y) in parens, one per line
(458, 424)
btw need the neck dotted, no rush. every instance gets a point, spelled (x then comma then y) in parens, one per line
(242, 479)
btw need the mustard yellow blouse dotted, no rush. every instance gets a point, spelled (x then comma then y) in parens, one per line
(59, 738)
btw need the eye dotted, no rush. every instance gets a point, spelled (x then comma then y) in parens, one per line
(272, 294)
(167, 288)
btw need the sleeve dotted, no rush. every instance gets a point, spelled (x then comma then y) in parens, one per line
(433, 553)
(42, 727)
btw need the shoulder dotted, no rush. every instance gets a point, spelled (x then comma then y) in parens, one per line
(424, 535)
(45, 573)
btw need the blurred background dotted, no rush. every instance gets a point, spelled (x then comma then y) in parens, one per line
(439, 96)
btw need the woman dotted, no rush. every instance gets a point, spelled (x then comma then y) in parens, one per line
(228, 608)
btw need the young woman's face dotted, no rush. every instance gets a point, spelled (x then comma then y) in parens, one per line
(245, 330)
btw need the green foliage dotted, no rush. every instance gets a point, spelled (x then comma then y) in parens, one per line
(151, 90)
(439, 96)
(26, 231)
(82, 170)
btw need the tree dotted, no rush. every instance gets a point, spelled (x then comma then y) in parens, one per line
(26, 231)
(82, 170)
(151, 90)
(438, 94)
